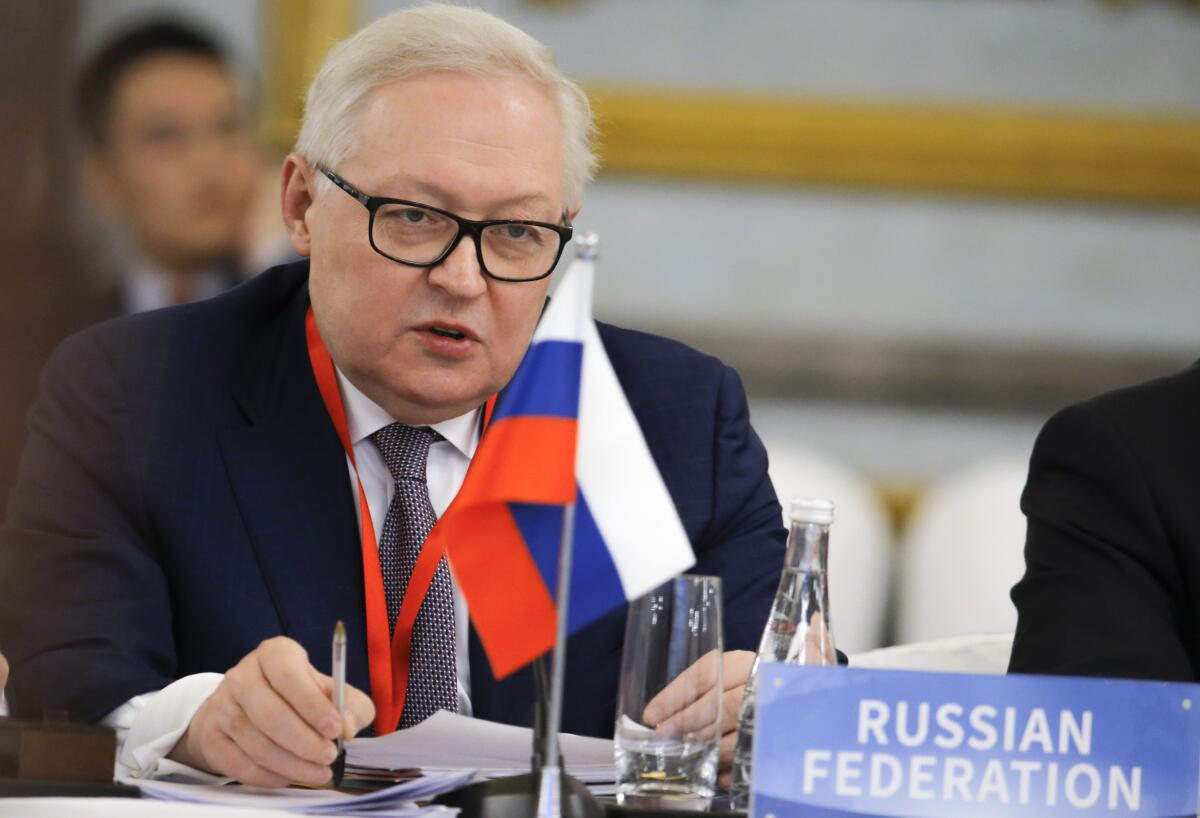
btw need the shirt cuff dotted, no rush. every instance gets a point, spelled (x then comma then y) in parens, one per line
(149, 725)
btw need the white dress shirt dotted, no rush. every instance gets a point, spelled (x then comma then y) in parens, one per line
(145, 287)
(149, 725)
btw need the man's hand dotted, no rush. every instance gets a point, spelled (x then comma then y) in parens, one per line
(3, 672)
(685, 705)
(271, 722)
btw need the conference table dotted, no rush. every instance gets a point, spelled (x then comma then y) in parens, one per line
(135, 808)
(101, 806)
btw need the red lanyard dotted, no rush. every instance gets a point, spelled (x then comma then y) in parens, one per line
(388, 663)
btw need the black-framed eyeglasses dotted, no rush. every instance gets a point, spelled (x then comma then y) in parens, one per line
(420, 235)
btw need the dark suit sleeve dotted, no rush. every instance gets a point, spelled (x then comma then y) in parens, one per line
(84, 612)
(745, 541)
(1101, 595)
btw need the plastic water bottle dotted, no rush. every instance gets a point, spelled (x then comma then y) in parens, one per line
(798, 630)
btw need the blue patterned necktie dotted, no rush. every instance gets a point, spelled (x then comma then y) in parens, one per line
(432, 677)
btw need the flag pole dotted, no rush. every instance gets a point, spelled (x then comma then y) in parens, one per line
(550, 786)
(545, 791)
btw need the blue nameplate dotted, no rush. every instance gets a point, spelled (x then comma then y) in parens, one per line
(843, 742)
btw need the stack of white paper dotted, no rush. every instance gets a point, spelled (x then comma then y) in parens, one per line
(444, 752)
(396, 801)
(447, 742)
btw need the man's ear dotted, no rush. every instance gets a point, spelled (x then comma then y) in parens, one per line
(573, 213)
(296, 197)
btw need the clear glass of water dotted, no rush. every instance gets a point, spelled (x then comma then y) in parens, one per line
(669, 705)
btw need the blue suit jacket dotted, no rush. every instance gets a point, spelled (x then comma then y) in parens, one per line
(183, 496)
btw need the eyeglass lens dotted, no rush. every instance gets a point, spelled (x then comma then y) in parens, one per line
(414, 234)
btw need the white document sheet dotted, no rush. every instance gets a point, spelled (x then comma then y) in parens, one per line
(449, 741)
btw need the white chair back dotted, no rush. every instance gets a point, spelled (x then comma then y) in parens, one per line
(979, 653)
(962, 553)
(860, 541)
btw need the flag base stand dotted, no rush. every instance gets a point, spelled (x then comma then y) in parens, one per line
(517, 797)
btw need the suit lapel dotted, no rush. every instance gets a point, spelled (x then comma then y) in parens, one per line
(290, 479)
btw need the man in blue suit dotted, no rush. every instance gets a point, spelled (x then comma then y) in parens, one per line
(194, 508)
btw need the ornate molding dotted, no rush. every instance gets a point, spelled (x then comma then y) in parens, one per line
(298, 34)
(939, 148)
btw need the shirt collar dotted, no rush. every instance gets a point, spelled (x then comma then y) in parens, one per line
(147, 287)
(365, 417)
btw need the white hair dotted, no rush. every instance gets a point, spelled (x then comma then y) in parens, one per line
(438, 38)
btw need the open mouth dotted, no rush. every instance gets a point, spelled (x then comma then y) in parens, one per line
(447, 333)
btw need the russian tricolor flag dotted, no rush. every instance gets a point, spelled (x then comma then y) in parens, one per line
(562, 430)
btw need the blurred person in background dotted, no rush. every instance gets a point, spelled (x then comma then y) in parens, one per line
(166, 157)
(169, 160)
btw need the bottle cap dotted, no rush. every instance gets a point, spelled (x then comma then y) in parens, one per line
(812, 510)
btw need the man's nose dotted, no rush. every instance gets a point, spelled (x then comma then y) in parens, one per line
(459, 274)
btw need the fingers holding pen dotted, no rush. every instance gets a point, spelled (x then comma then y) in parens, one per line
(271, 721)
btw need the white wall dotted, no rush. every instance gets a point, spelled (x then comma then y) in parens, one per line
(237, 22)
(794, 263)
(1065, 51)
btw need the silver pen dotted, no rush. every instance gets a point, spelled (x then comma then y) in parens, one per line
(339, 697)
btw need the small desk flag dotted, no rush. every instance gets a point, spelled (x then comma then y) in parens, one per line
(562, 430)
